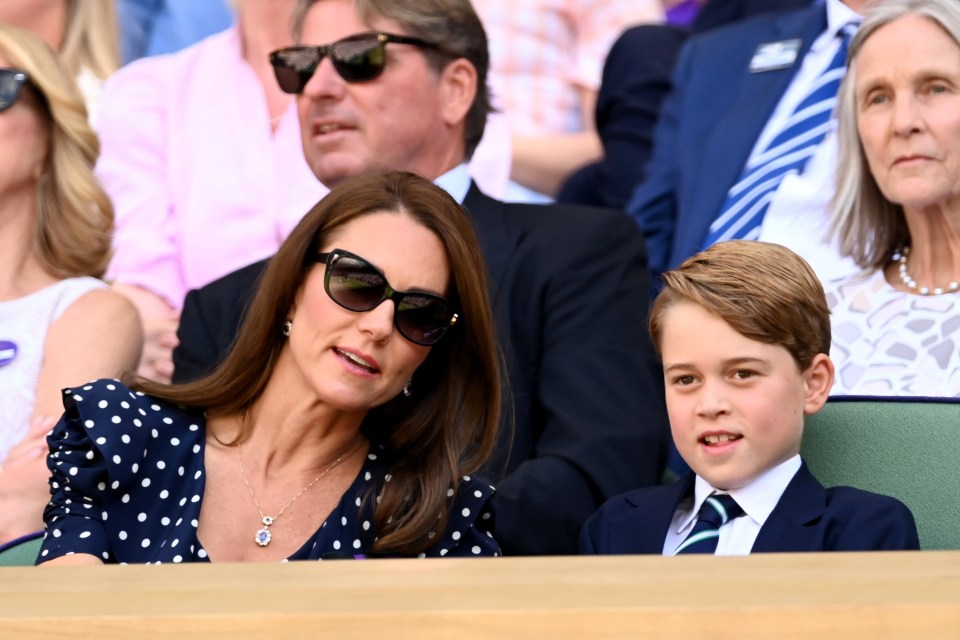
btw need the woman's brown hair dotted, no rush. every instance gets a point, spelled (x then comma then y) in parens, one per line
(448, 427)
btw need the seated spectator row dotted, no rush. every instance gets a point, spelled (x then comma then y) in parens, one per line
(374, 403)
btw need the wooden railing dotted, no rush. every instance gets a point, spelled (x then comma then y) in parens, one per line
(913, 595)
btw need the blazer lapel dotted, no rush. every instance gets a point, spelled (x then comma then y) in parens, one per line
(655, 513)
(790, 525)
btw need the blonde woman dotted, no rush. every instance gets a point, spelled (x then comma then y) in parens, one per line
(84, 34)
(59, 324)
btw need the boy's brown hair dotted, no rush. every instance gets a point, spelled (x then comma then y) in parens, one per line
(765, 291)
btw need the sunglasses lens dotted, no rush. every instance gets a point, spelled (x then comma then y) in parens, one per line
(359, 60)
(294, 66)
(9, 89)
(423, 319)
(355, 285)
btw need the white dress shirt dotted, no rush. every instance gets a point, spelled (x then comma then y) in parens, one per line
(758, 499)
(456, 182)
(799, 214)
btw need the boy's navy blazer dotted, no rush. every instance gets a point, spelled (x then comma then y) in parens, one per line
(808, 517)
(708, 126)
(588, 419)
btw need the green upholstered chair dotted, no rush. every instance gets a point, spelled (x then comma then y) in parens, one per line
(22, 551)
(908, 448)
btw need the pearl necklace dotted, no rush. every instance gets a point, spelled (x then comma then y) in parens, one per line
(263, 536)
(911, 284)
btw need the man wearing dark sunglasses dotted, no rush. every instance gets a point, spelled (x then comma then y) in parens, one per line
(384, 85)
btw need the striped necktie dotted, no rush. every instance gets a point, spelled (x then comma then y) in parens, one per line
(717, 510)
(788, 152)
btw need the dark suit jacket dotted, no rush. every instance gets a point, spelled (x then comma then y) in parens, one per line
(717, 13)
(636, 78)
(807, 517)
(708, 125)
(568, 288)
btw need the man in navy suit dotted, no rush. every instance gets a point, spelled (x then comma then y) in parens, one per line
(636, 79)
(744, 332)
(730, 98)
(586, 419)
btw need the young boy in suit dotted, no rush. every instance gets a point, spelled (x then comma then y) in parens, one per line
(743, 330)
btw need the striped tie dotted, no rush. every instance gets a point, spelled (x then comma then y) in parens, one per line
(717, 510)
(742, 212)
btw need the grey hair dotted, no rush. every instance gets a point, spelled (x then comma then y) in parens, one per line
(870, 228)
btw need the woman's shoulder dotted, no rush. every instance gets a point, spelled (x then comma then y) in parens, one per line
(108, 427)
(94, 297)
(111, 398)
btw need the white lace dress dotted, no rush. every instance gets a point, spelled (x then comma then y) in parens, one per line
(887, 342)
(23, 331)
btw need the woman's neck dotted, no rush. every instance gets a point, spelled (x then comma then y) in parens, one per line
(20, 271)
(288, 428)
(934, 254)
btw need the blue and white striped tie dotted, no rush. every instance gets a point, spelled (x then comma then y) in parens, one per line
(717, 510)
(743, 211)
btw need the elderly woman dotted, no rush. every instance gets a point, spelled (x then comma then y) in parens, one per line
(896, 327)
(363, 384)
(59, 324)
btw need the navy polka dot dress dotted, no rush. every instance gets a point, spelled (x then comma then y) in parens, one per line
(128, 479)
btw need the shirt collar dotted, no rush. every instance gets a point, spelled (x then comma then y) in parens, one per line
(838, 16)
(456, 182)
(758, 498)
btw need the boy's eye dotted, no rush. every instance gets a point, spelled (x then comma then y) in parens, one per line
(684, 380)
(743, 374)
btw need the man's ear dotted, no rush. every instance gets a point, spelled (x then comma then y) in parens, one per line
(458, 87)
(817, 382)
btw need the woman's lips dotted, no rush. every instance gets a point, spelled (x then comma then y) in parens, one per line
(358, 360)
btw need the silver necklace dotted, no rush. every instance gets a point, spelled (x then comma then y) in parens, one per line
(263, 536)
(911, 284)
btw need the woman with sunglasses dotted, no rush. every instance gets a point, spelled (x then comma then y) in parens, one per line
(363, 385)
(59, 324)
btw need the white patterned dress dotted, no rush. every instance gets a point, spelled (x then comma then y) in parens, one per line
(887, 342)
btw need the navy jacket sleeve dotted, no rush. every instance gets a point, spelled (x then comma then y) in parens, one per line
(636, 78)
(653, 204)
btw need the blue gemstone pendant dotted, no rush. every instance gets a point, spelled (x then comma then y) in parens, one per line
(263, 535)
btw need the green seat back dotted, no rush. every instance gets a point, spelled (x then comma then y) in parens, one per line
(908, 448)
(21, 554)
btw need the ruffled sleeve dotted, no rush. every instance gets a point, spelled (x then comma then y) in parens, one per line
(82, 448)
(470, 525)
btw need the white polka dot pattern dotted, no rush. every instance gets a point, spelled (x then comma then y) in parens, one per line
(148, 512)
